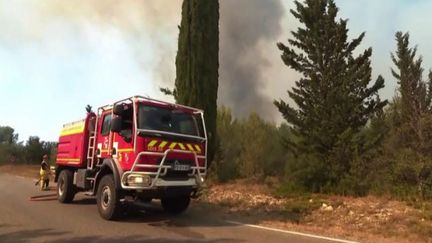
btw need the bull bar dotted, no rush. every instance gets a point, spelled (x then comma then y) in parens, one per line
(195, 177)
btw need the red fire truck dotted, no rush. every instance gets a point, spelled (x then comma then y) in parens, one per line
(136, 148)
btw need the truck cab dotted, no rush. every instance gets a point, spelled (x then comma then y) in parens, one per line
(136, 148)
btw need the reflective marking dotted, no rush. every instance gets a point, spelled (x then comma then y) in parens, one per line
(69, 159)
(152, 143)
(163, 144)
(172, 146)
(182, 147)
(198, 148)
(190, 147)
(125, 150)
(72, 128)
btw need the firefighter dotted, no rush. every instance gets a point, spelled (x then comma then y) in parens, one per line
(44, 173)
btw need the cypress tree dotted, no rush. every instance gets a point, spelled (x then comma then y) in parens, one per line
(413, 131)
(197, 61)
(334, 98)
(415, 93)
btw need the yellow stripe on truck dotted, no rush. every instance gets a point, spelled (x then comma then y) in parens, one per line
(152, 143)
(182, 147)
(73, 128)
(172, 146)
(69, 159)
(163, 144)
(190, 147)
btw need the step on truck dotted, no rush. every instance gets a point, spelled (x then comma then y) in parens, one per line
(135, 149)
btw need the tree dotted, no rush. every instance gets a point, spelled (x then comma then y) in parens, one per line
(9, 149)
(197, 61)
(34, 150)
(413, 132)
(7, 135)
(229, 144)
(248, 148)
(415, 93)
(334, 98)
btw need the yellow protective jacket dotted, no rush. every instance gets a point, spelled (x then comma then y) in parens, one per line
(44, 174)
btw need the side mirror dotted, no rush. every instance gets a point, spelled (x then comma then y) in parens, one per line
(118, 110)
(116, 124)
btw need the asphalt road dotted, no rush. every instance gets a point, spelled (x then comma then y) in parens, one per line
(46, 220)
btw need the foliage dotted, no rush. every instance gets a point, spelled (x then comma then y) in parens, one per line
(334, 99)
(248, 148)
(197, 62)
(12, 151)
(8, 135)
(403, 162)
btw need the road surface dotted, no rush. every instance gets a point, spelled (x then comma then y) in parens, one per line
(46, 220)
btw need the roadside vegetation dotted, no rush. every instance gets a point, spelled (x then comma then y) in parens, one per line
(13, 151)
(339, 136)
(340, 142)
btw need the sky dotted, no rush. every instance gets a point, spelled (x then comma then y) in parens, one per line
(58, 56)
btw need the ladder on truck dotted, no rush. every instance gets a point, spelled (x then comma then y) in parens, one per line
(92, 145)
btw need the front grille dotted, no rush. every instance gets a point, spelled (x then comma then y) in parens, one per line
(177, 175)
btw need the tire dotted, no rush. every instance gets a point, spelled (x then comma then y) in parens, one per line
(175, 205)
(65, 189)
(108, 199)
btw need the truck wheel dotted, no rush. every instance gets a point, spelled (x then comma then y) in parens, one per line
(175, 205)
(65, 188)
(108, 199)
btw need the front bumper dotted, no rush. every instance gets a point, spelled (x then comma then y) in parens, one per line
(139, 180)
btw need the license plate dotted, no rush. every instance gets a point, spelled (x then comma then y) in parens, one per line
(180, 167)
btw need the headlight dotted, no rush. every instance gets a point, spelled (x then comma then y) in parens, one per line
(138, 180)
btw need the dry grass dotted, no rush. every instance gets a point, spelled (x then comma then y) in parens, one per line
(368, 219)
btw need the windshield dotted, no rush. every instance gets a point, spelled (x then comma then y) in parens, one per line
(167, 120)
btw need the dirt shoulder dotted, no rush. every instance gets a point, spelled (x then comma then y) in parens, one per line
(366, 219)
(31, 171)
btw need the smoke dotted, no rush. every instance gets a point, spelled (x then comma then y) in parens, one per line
(136, 40)
(249, 30)
(149, 27)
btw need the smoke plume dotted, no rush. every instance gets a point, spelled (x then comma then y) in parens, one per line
(248, 29)
(144, 34)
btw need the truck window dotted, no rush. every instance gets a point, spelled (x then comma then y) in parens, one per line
(167, 120)
(106, 125)
(127, 124)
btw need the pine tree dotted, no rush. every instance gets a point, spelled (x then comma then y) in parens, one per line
(413, 131)
(197, 61)
(415, 93)
(335, 97)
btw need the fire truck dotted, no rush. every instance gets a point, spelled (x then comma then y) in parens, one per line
(134, 149)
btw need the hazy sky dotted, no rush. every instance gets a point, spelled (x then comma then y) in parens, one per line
(58, 56)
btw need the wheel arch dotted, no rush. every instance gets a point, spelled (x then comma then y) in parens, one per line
(59, 169)
(108, 167)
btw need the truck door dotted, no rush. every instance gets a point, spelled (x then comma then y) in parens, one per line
(103, 140)
(123, 142)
